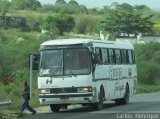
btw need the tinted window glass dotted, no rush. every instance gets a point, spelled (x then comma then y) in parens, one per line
(111, 56)
(124, 56)
(130, 61)
(118, 56)
(99, 53)
(105, 56)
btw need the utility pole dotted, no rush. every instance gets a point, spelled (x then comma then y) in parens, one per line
(30, 73)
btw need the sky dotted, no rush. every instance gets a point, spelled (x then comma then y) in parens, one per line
(153, 4)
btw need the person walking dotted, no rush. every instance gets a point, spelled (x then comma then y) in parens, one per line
(26, 96)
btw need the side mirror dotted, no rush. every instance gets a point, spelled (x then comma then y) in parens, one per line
(34, 61)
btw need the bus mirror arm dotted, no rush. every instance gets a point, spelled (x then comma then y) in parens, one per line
(93, 68)
(34, 59)
(95, 59)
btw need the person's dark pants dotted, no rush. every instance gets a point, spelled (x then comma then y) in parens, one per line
(25, 104)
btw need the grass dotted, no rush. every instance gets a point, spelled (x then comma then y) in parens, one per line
(11, 114)
(145, 88)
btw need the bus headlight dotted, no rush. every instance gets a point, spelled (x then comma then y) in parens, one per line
(85, 89)
(44, 91)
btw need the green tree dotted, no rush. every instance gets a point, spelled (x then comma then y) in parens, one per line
(104, 11)
(93, 11)
(26, 4)
(60, 2)
(73, 3)
(85, 23)
(72, 7)
(141, 7)
(59, 23)
(4, 6)
(125, 19)
(47, 8)
(156, 57)
(83, 9)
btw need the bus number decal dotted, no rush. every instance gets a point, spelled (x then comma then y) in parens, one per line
(115, 73)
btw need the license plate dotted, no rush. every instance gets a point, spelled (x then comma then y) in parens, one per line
(64, 99)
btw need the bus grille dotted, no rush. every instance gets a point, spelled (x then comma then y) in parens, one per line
(63, 90)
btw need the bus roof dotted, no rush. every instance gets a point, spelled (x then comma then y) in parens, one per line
(88, 42)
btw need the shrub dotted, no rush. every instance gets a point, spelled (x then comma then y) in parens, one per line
(147, 58)
(85, 23)
(148, 72)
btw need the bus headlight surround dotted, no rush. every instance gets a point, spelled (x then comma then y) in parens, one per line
(85, 89)
(44, 91)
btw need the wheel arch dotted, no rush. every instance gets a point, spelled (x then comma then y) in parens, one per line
(102, 91)
(127, 87)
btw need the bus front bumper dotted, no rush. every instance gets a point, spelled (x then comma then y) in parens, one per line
(66, 98)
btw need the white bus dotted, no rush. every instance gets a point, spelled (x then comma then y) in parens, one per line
(87, 72)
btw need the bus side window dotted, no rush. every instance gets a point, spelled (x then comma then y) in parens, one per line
(111, 56)
(133, 57)
(118, 56)
(99, 53)
(105, 56)
(124, 56)
(130, 60)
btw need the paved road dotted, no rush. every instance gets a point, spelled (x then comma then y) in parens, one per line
(144, 106)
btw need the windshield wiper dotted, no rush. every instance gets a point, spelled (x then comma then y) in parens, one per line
(53, 70)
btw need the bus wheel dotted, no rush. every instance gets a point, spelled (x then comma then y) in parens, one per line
(118, 101)
(125, 100)
(55, 107)
(99, 104)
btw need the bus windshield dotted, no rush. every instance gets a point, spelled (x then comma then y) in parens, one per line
(58, 62)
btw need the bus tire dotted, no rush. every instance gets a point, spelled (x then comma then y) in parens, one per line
(118, 101)
(99, 104)
(125, 100)
(55, 107)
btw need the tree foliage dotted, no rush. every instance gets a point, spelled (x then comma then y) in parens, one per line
(60, 2)
(4, 6)
(125, 19)
(26, 4)
(73, 3)
(58, 23)
(60, 6)
(148, 63)
(86, 23)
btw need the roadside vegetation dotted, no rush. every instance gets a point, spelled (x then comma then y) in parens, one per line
(62, 19)
(148, 67)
